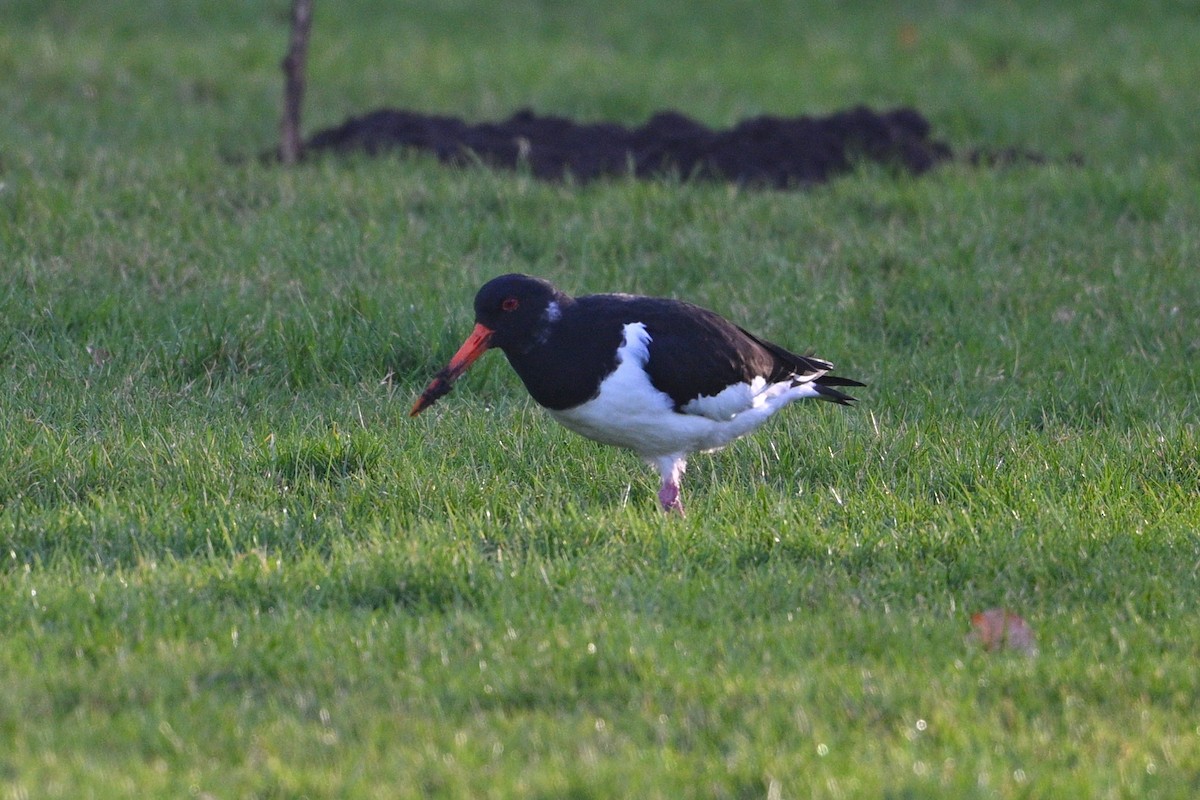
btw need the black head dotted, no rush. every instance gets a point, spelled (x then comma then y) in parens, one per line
(516, 309)
(512, 312)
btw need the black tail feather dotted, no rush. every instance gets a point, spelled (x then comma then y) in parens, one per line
(837, 380)
(801, 368)
(824, 387)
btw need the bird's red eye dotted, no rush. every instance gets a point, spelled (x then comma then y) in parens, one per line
(510, 304)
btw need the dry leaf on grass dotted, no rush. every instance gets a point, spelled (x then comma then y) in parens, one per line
(1001, 629)
(99, 355)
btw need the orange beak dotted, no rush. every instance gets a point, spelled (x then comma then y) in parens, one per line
(479, 341)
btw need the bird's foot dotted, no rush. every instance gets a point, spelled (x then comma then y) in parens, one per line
(668, 496)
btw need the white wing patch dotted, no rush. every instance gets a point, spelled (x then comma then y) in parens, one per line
(740, 397)
(635, 347)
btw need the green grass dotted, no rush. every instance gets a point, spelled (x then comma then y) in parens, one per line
(234, 567)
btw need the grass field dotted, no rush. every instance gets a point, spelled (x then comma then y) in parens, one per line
(234, 567)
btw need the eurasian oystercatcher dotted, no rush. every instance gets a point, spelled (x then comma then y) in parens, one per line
(661, 377)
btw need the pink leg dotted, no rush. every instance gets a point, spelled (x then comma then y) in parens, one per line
(671, 468)
(668, 495)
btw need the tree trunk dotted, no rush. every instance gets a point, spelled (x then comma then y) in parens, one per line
(291, 145)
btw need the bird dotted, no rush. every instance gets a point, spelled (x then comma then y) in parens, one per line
(658, 376)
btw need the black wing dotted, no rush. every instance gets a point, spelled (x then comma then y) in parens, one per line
(696, 352)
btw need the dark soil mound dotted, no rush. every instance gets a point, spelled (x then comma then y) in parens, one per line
(765, 151)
